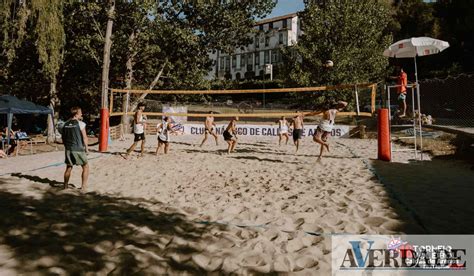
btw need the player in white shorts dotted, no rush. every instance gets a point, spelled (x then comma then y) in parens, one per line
(326, 125)
(283, 129)
(164, 129)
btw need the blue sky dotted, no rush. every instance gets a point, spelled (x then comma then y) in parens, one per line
(286, 6)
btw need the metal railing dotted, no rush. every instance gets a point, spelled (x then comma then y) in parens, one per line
(411, 120)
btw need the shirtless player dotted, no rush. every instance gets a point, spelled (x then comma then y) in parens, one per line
(298, 127)
(209, 128)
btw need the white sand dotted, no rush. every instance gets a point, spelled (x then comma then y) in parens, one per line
(195, 199)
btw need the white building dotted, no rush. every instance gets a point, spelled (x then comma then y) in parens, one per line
(273, 33)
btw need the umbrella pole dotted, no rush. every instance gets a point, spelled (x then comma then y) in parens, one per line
(416, 72)
(419, 110)
(9, 129)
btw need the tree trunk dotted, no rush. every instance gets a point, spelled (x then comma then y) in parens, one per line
(53, 103)
(106, 59)
(128, 83)
(104, 121)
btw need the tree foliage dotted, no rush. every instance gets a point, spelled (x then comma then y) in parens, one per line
(351, 34)
(456, 20)
(62, 41)
(53, 41)
(14, 17)
(415, 18)
(449, 20)
(50, 38)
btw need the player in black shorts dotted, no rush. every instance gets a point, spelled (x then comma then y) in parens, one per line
(138, 130)
(230, 135)
(209, 128)
(298, 127)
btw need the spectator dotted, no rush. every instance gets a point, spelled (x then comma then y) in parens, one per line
(12, 144)
(76, 147)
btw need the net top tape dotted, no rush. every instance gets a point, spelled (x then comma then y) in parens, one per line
(243, 115)
(245, 91)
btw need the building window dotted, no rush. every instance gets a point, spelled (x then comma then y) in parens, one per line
(249, 62)
(234, 62)
(260, 27)
(267, 41)
(285, 23)
(274, 56)
(280, 38)
(238, 60)
(242, 60)
(221, 66)
(257, 58)
(270, 25)
(266, 57)
(227, 63)
(257, 45)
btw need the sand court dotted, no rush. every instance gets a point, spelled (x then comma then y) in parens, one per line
(263, 209)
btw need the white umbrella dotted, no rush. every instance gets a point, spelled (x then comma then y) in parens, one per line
(415, 46)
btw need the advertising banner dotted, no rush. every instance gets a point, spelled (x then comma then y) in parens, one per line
(260, 130)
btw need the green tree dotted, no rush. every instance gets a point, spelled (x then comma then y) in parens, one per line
(50, 44)
(351, 34)
(448, 20)
(14, 16)
(221, 25)
(146, 35)
(415, 18)
(47, 18)
(457, 27)
(79, 81)
(175, 37)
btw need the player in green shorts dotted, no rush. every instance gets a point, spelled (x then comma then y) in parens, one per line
(75, 143)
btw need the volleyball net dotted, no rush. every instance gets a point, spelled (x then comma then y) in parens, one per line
(250, 104)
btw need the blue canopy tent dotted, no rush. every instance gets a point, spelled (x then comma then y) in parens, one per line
(10, 105)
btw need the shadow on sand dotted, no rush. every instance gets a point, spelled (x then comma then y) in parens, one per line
(34, 178)
(438, 193)
(94, 233)
(263, 159)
